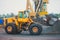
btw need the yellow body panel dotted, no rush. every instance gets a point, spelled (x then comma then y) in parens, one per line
(15, 21)
(10, 20)
(32, 14)
(43, 13)
(45, 1)
(18, 20)
(22, 19)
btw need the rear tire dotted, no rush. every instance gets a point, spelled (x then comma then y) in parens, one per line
(37, 26)
(13, 26)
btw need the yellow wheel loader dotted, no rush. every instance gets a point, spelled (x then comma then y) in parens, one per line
(21, 23)
(24, 22)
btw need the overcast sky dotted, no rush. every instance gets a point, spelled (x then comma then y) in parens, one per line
(8, 6)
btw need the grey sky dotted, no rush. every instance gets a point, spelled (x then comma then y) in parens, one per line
(54, 6)
(8, 6)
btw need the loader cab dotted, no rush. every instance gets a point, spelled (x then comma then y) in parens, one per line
(23, 14)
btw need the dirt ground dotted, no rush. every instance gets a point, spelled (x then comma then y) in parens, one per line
(27, 36)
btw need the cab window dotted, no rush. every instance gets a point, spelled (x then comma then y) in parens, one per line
(26, 14)
(21, 15)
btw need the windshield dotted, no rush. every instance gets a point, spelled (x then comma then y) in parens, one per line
(20, 14)
(26, 14)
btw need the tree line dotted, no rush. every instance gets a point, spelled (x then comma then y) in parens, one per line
(6, 15)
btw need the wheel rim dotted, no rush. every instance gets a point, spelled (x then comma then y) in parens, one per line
(35, 29)
(9, 28)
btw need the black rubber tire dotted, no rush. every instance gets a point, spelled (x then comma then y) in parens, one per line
(14, 29)
(39, 29)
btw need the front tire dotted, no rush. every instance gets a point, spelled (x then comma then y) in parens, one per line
(12, 29)
(36, 27)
